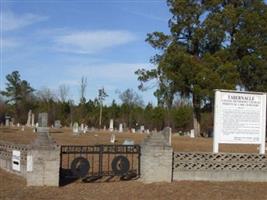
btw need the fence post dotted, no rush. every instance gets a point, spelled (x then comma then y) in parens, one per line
(45, 158)
(156, 157)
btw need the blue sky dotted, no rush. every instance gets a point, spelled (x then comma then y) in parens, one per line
(57, 42)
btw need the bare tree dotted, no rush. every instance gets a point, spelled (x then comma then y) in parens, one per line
(45, 94)
(83, 88)
(63, 91)
(101, 97)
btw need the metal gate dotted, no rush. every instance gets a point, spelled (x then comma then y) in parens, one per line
(100, 160)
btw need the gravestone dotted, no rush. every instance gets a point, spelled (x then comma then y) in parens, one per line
(112, 138)
(192, 133)
(29, 118)
(156, 157)
(57, 124)
(128, 142)
(33, 120)
(82, 127)
(111, 128)
(133, 130)
(75, 128)
(85, 129)
(142, 129)
(120, 128)
(7, 120)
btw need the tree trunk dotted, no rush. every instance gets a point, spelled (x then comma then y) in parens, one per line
(196, 116)
(196, 124)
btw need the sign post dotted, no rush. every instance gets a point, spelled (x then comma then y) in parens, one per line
(239, 118)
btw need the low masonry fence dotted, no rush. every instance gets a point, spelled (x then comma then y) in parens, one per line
(6, 154)
(219, 166)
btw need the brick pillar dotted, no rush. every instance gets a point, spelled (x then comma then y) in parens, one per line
(45, 159)
(156, 157)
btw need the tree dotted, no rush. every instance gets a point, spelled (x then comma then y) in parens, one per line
(101, 97)
(213, 44)
(63, 92)
(18, 93)
(130, 101)
(83, 90)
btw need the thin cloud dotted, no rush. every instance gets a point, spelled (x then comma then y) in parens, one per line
(12, 21)
(115, 72)
(90, 42)
(8, 43)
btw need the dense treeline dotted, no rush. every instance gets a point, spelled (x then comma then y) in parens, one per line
(19, 97)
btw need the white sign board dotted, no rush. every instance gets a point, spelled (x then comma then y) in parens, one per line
(239, 118)
(16, 160)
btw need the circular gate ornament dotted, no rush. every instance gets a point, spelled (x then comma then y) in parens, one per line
(120, 165)
(80, 167)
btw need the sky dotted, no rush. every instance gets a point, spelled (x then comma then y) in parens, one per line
(57, 42)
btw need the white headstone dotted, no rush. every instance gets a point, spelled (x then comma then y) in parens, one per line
(120, 128)
(192, 133)
(128, 142)
(133, 130)
(82, 127)
(7, 122)
(142, 128)
(112, 138)
(22, 128)
(18, 124)
(29, 118)
(111, 125)
(16, 160)
(33, 120)
(75, 127)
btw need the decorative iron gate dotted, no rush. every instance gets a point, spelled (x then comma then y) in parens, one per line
(100, 160)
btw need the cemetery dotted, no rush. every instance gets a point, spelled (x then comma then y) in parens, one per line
(89, 111)
(58, 156)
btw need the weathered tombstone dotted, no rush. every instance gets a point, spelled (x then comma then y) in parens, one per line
(105, 128)
(112, 138)
(82, 127)
(147, 131)
(18, 125)
(29, 118)
(128, 142)
(156, 157)
(142, 129)
(33, 120)
(12, 122)
(85, 129)
(7, 120)
(120, 128)
(192, 133)
(111, 125)
(133, 130)
(57, 124)
(75, 128)
(22, 128)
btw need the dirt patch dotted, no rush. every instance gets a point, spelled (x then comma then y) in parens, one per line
(13, 187)
(65, 137)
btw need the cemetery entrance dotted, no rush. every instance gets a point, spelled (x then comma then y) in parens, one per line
(98, 161)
